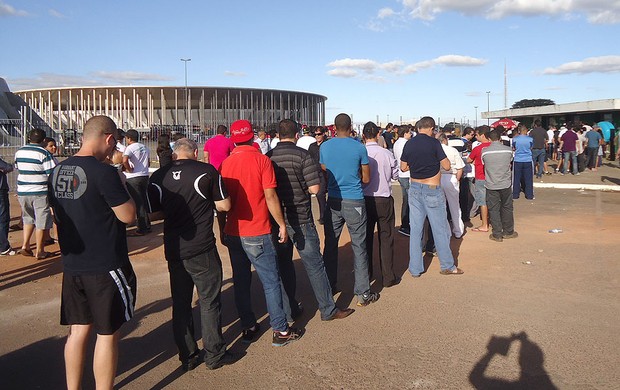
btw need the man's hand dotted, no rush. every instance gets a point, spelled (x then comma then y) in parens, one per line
(282, 234)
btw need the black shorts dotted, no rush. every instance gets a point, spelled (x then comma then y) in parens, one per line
(106, 300)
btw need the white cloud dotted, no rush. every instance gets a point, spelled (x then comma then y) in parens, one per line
(451, 60)
(596, 11)
(56, 14)
(385, 13)
(8, 10)
(129, 76)
(342, 72)
(55, 80)
(366, 68)
(231, 73)
(604, 64)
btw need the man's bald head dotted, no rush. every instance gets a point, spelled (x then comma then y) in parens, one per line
(98, 125)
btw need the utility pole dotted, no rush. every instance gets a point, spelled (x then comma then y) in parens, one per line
(488, 107)
(476, 117)
(187, 108)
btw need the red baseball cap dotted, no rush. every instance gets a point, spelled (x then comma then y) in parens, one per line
(241, 131)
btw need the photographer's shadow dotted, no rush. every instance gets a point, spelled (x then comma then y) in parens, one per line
(531, 359)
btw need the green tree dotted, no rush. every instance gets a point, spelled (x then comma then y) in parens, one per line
(533, 103)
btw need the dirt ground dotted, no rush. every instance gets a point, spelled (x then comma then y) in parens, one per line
(536, 312)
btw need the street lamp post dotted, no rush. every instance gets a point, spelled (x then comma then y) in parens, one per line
(476, 117)
(488, 107)
(187, 111)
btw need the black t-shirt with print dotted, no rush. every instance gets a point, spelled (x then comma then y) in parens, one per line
(186, 191)
(82, 192)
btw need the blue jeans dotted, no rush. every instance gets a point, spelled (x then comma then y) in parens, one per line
(522, 172)
(306, 240)
(205, 272)
(573, 157)
(404, 210)
(260, 252)
(5, 217)
(538, 156)
(428, 201)
(353, 213)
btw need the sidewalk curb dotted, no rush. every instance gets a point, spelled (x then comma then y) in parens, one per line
(568, 186)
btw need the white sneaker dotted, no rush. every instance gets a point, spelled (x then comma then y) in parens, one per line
(8, 252)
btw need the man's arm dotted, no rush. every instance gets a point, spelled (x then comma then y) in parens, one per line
(365, 173)
(126, 165)
(445, 164)
(275, 209)
(459, 174)
(223, 205)
(314, 189)
(125, 212)
(205, 157)
(404, 166)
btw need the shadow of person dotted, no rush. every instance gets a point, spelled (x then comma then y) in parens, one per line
(531, 359)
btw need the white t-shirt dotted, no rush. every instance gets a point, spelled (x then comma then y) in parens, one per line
(550, 135)
(399, 145)
(455, 158)
(274, 142)
(305, 141)
(138, 159)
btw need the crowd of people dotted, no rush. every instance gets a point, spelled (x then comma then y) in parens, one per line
(258, 188)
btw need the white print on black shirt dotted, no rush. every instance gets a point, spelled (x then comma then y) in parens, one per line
(69, 182)
(176, 175)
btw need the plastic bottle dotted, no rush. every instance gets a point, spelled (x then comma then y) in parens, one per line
(556, 230)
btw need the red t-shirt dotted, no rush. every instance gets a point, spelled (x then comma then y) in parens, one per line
(219, 147)
(476, 157)
(246, 174)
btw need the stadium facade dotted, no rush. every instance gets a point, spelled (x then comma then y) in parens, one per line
(196, 109)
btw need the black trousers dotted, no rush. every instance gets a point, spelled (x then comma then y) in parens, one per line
(380, 212)
(137, 187)
(205, 273)
(501, 215)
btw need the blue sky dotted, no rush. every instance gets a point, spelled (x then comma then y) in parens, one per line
(396, 58)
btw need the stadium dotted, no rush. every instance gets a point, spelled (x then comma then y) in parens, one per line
(193, 111)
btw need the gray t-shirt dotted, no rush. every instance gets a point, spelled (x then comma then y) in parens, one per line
(496, 159)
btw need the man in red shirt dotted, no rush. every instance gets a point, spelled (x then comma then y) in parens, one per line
(251, 183)
(475, 157)
(218, 148)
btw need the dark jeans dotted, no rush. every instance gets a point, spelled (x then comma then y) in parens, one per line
(353, 213)
(464, 199)
(5, 217)
(306, 240)
(500, 207)
(404, 210)
(205, 272)
(523, 172)
(137, 187)
(321, 196)
(538, 156)
(592, 154)
(380, 212)
(260, 252)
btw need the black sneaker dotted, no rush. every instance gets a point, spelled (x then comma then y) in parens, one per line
(226, 359)
(513, 235)
(367, 299)
(404, 231)
(292, 334)
(250, 335)
(192, 362)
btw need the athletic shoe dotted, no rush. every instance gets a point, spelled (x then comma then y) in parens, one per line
(250, 335)
(226, 359)
(367, 298)
(291, 335)
(404, 232)
(8, 252)
(513, 235)
(498, 239)
(192, 362)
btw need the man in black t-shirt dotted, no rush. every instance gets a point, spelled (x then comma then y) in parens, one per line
(184, 194)
(422, 157)
(91, 207)
(297, 174)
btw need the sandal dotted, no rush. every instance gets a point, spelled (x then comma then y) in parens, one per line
(43, 255)
(25, 252)
(456, 271)
(480, 230)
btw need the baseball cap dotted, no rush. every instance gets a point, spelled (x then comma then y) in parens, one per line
(241, 131)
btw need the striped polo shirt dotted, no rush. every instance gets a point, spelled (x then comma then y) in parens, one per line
(34, 164)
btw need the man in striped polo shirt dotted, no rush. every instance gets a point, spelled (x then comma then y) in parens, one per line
(34, 164)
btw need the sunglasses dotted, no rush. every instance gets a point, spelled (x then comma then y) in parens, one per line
(317, 134)
(113, 136)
